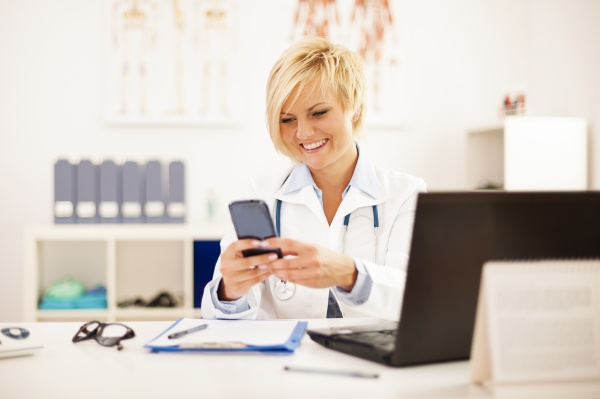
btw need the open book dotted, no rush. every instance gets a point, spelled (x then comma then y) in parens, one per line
(538, 326)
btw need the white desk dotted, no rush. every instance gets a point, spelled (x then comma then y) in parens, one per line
(66, 370)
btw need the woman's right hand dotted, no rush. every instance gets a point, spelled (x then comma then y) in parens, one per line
(239, 274)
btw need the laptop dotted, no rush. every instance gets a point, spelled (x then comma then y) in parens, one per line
(454, 234)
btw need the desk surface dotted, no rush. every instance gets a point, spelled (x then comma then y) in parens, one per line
(87, 370)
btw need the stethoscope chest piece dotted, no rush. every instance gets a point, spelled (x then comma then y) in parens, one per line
(284, 290)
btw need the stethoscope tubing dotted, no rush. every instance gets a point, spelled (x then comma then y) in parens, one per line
(346, 219)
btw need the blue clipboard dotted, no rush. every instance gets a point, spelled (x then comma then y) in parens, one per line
(248, 336)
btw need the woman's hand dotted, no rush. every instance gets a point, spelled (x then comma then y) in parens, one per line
(312, 265)
(239, 273)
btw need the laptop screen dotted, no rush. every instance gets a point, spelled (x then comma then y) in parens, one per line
(456, 233)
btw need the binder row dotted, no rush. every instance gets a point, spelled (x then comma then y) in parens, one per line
(109, 192)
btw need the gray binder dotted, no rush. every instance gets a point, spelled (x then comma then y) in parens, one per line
(110, 192)
(64, 192)
(87, 192)
(154, 207)
(133, 192)
(176, 211)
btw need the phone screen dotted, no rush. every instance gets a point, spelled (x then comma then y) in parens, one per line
(251, 219)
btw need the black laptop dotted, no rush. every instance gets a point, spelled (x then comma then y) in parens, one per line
(454, 234)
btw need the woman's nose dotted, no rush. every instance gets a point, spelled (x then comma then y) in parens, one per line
(304, 130)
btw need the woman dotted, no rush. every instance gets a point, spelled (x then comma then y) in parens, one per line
(345, 223)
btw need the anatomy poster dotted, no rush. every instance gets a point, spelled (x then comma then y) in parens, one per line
(373, 29)
(172, 62)
(199, 62)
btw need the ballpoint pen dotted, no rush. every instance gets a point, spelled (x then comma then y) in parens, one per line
(358, 374)
(186, 332)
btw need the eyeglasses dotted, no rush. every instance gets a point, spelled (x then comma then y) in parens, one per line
(106, 334)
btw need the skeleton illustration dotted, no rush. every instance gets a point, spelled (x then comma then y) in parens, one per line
(214, 37)
(134, 33)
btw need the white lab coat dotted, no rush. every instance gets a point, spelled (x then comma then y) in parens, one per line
(303, 218)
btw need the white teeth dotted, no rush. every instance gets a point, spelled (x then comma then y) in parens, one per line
(312, 146)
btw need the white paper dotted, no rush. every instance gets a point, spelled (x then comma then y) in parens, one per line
(247, 332)
(543, 320)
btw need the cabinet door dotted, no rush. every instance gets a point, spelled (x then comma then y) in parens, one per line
(206, 253)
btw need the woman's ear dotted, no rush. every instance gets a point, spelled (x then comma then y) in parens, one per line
(356, 115)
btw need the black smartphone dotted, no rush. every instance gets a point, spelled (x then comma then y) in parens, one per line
(251, 219)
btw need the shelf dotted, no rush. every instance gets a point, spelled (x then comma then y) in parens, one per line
(131, 261)
(485, 156)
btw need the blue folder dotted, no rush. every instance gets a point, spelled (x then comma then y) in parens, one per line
(288, 334)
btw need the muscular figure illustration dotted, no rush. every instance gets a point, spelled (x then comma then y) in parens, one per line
(134, 31)
(214, 36)
(315, 17)
(375, 27)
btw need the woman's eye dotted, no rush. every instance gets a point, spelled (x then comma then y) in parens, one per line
(287, 121)
(320, 113)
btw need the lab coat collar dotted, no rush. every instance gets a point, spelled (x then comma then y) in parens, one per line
(363, 177)
(365, 188)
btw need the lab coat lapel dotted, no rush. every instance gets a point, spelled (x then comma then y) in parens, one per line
(305, 196)
(355, 199)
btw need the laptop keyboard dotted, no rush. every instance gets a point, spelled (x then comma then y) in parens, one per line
(383, 338)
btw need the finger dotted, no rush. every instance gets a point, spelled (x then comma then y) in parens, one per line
(291, 263)
(261, 261)
(252, 276)
(236, 247)
(247, 277)
(308, 278)
(232, 258)
(287, 245)
(242, 283)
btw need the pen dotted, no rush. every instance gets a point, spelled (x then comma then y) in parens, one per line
(186, 332)
(358, 374)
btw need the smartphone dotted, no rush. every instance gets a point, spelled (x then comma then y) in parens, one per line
(251, 219)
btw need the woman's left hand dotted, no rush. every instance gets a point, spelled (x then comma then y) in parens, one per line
(312, 265)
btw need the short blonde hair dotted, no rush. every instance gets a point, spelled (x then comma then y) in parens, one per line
(333, 68)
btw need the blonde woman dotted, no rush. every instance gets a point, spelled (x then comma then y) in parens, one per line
(344, 223)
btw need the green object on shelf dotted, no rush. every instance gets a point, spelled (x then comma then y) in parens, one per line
(94, 298)
(66, 288)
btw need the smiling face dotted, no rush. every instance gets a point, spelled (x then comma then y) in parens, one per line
(318, 131)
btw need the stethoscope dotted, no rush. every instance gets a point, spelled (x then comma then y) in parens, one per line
(284, 290)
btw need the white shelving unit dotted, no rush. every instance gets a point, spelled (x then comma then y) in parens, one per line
(528, 153)
(131, 261)
(485, 156)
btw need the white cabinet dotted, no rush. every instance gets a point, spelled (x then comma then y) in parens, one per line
(485, 157)
(131, 261)
(529, 154)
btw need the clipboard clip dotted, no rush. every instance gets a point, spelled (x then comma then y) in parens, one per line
(214, 345)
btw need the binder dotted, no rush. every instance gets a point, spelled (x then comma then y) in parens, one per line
(65, 195)
(110, 192)
(154, 207)
(260, 336)
(133, 192)
(87, 192)
(176, 194)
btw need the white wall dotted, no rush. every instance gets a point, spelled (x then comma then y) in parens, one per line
(566, 64)
(461, 58)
